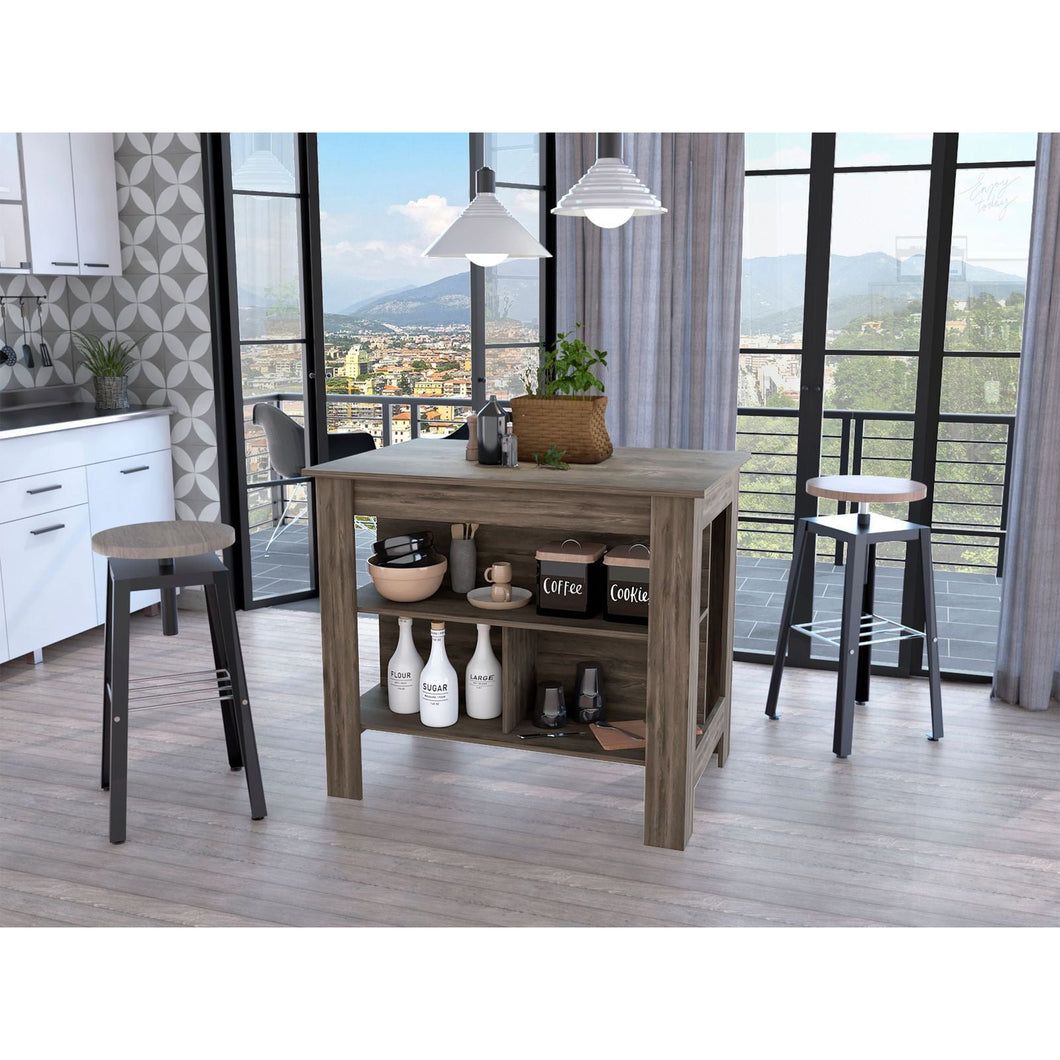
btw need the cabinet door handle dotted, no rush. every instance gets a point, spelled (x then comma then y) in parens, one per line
(96, 264)
(44, 489)
(48, 529)
(133, 470)
(68, 264)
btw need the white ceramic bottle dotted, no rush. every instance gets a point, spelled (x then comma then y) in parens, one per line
(439, 691)
(403, 672)
(482, 679)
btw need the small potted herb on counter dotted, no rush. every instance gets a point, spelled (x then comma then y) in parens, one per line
(559, 408)
(109, 361)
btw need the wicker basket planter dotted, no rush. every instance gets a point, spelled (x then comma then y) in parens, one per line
(575, 424)
(112, 392)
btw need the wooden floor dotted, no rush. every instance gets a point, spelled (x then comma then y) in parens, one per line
(904, 832)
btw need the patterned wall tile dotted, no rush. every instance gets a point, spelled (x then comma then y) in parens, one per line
(160, 303)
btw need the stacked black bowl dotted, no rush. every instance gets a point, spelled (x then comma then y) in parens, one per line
(406, 550)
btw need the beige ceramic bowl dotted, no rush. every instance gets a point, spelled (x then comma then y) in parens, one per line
(406, 584)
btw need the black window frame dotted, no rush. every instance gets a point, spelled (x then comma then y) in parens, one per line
(931, 356)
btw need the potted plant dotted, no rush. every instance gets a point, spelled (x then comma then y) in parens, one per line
(559, 408)
(109, 362)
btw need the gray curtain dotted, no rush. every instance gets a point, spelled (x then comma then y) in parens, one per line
(661, 294)
(1028, 650)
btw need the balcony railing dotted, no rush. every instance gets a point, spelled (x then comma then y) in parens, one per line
(266, 496)
(970, 508)
(970, 504)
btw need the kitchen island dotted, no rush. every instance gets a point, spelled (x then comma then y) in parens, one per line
(675, 672)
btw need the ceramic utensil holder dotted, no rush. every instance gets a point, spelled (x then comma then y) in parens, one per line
(462, 563)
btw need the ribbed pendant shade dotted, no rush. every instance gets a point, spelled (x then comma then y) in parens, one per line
(610, 193)
(486, 233)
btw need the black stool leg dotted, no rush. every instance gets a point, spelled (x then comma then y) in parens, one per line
(108, 649)
(118, 620)
(931, 636)
(861, 694)
(843, 733)
(797, 549)
(230, 636)
(169, 601)
(221, 661)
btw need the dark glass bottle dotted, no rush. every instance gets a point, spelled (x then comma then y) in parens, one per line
(491, 421)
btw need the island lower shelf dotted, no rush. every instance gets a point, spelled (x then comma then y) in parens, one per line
(377, 716)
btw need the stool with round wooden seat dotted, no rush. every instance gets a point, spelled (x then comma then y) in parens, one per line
(168, 556)
(859, 627)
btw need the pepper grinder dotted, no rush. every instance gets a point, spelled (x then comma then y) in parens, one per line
(588, 704)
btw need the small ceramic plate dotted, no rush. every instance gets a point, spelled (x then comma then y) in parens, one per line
(481, 598)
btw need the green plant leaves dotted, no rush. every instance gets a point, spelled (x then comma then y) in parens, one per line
(105, 357)
(568, 367)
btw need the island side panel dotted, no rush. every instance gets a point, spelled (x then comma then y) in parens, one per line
(336, 557)
(721, 619)
(673, 664)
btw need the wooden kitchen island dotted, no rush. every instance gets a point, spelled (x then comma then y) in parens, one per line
(676, 672)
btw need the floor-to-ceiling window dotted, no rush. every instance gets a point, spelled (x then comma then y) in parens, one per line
(335, 317)
(262, 200)
(397, 325)
(881, 319)
(517, 307)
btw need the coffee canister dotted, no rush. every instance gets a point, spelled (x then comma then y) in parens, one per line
(570, 578)
(627, 587)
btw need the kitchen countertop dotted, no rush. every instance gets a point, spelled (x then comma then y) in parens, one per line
(41, 419)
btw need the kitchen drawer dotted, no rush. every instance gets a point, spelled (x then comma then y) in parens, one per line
(23, 497)
(134, 489)
(46, 567)
(36, 454)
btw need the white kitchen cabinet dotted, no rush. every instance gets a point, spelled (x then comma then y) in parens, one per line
(4, 653)
(50, 203)
(134, 489)
(73, 481)
(71, 204)
(14, 256)
(49, 593)
(96, 203)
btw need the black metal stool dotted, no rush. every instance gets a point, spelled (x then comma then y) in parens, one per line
(168, 556)
(859, 628)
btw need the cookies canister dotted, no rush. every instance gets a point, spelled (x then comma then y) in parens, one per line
(628, 583)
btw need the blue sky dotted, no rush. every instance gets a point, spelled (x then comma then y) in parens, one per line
(384, 198)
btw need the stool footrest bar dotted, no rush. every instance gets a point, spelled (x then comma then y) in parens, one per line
(177, 688)
(875, 629)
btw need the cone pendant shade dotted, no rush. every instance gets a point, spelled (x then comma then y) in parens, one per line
(609, 194)
(486, 233)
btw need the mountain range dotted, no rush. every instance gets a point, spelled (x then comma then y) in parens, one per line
(859, 285)
(771, 300)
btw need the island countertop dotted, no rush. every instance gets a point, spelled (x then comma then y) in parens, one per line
(640, 472)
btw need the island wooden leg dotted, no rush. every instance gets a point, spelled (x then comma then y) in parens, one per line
(337, 565)
(673, 664)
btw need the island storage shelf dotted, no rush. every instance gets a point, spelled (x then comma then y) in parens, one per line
(674, 673)
(376, 716)
(447, 606)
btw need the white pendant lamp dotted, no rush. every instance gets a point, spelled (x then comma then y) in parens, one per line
(609, 194)
(485, 233)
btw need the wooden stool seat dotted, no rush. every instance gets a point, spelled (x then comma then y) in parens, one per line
(861, 489)
(163, 540)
